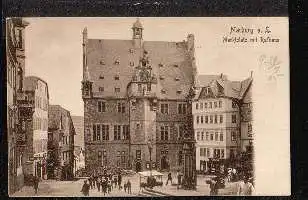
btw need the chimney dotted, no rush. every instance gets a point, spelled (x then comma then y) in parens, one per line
(221, 75)
(251, 72)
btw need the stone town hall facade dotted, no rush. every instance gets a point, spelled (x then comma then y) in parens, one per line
(136, 92)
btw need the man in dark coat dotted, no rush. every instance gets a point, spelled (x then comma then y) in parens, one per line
(129, 187)
(169, 178)
(119, 180)
(35, 183)
(85, 188)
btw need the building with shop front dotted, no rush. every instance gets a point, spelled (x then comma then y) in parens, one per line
(36, 90)
(17, 117)
(220, 128)
(61, 134)
(135, 93)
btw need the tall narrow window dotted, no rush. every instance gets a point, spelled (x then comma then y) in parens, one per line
(149, 87)
(216, 136)
(233, 136)
(164, 108)
(201, 106)
(233, 118)
(198, 135)
(215, 119)
(94, 132)
(234, 104)
(221, 137)
(105, 132)
(197, 106)
(215, 104)
(201, 119)
(164, 132)
(202, 136)
(220, 104)
(221, 119)
(197, 119)
(205, 105)
(121, 107)
(182, 108)
(211, 119)
(126, 132)
(117, 132)
(207, 136)
(101, 106)
(210, 104)
(206, 119)
(98, 132)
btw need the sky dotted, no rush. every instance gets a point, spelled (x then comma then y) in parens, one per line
(54, 48)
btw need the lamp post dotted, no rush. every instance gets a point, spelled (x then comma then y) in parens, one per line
(150, 151)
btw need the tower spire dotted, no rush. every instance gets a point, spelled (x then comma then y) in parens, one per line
(137, 33)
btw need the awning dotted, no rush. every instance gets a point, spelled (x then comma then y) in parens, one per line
(148, 173)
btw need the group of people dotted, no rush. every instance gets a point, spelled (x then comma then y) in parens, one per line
(243, 188)
(105, 183)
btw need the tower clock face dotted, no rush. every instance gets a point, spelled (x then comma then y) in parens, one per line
(137, 31)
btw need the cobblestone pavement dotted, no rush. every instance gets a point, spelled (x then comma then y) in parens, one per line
(72, 189)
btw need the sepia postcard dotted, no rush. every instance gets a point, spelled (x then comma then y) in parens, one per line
(148, 107)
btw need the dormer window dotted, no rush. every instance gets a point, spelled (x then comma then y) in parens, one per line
(179, 91)
(131, 50)
(101, 77)
(175, 66)
(131, 63)
(117, 90)
(116, 77)
(160, 65)
(102, 62)
(163, 91)
(207, 90)
(161, 78)
(117, 62)
(101, 89)
(177, 79)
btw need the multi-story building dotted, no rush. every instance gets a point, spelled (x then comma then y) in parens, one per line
(16, 126)
(218, 125)
(78, 143)
(61, 134)
(37, 90)
(135, 94)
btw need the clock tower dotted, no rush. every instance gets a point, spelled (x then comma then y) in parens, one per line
(137, 34)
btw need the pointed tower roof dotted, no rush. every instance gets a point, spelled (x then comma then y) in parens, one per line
(137, 24)
(87, 74)
(85, 30)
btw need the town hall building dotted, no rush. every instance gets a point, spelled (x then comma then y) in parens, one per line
(136, 96)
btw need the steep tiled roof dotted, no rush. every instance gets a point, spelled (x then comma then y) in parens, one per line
(30, 83)
(232, 89)
(205, 80)
(108, 58)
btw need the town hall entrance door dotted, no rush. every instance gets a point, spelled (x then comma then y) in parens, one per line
(138, 166)
(164, 165)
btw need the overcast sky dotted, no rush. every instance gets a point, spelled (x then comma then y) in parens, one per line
(54, 48)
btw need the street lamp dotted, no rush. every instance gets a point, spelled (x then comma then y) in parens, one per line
(150, 151)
